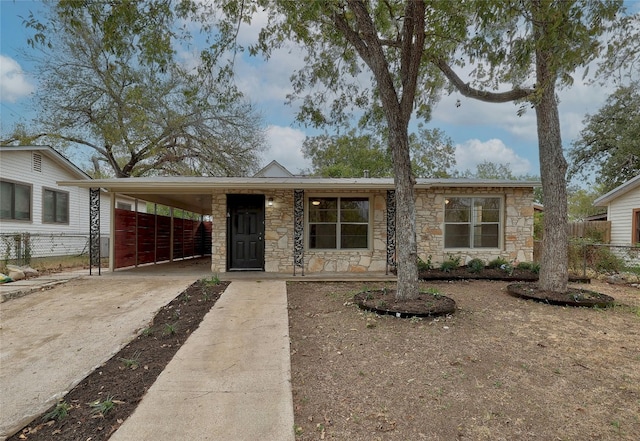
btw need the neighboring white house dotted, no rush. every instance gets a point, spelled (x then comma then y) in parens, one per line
(36, 214)
(623, 211)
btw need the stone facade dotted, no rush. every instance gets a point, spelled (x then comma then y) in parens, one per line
(517, 221)
(516, 242)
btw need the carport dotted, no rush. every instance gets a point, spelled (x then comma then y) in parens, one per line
(140, 238)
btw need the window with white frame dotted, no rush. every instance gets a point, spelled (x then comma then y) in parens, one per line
(472, 222)
(55, 207)
(15, 201)
(338, 223)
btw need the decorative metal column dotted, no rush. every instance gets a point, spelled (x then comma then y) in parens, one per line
(298, 230)
(94, 230)
(391, 229)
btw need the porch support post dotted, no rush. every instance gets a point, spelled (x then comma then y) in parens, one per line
(94, 229)
(298, 230)
(391, 230)
(112, 233)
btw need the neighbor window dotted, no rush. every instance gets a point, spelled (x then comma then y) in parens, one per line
(472, 222)
(636, 227)
(338, 223)
(55, 208)
(15, 201)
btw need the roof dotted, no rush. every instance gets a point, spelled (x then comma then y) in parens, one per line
(52, 154)
(274, 170)
(195, 193)
(605, 199)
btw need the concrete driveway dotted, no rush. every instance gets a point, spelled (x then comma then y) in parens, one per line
(51, 339)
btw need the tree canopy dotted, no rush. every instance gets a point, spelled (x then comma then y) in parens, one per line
(111, 83)
(346, 156)
(372, 56)
(514, 42)
(609, 145)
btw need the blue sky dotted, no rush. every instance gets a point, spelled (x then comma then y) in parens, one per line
(480, 131)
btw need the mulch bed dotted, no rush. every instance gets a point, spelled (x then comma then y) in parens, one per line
(573, 297)
(125, 378)
(383, 301)
(464, 273)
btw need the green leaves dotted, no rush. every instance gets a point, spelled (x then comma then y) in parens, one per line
(608, 146)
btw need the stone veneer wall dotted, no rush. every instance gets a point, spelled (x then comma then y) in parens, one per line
(517, 230)
(517, 233)
(355, 261)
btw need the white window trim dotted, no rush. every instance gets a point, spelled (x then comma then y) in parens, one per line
(307, 205)
(501, 224)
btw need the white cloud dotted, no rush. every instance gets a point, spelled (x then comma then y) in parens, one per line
(473, 152)
(286, 148)
(13, 82)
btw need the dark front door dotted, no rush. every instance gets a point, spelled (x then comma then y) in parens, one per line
(246, 232)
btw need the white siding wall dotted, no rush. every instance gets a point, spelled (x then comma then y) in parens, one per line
(17, 167)
(620, 211)
(51, 239)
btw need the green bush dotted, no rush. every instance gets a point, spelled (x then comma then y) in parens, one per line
(607, 261)
(497, 262)
(529, 266)
(475, 265)
(424, 266)
(596, 257)
(451, 263)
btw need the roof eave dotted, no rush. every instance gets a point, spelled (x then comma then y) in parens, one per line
(195, 185)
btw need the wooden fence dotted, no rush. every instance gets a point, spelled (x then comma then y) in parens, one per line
(598, 231)
(146, 238)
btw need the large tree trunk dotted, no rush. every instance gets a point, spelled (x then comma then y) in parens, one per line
(407, 247)
(554, 271)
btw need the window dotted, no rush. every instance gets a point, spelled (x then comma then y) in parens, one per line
(338, 223)
(123, 206)
(636, 227)
(472, 222)
(55, 207)
(15, 201)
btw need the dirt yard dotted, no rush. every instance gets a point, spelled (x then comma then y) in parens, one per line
(500, 368)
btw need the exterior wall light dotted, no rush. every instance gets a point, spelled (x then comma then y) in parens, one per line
(270, 202)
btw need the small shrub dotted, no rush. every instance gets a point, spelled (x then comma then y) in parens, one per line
(451, 263)
(102, 408)
(133, 362)
(608, 262)
(213, 280)
(497, 262)
(425, 266)
(58, 413)
(170, 329)
(432, 291)
(600, 258)
(529, 266)
(475, 265)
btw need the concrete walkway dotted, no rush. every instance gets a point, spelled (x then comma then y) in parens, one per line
(231, 380)
(54, 337)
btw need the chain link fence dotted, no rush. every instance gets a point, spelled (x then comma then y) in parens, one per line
(23, 248)
(585, 256)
